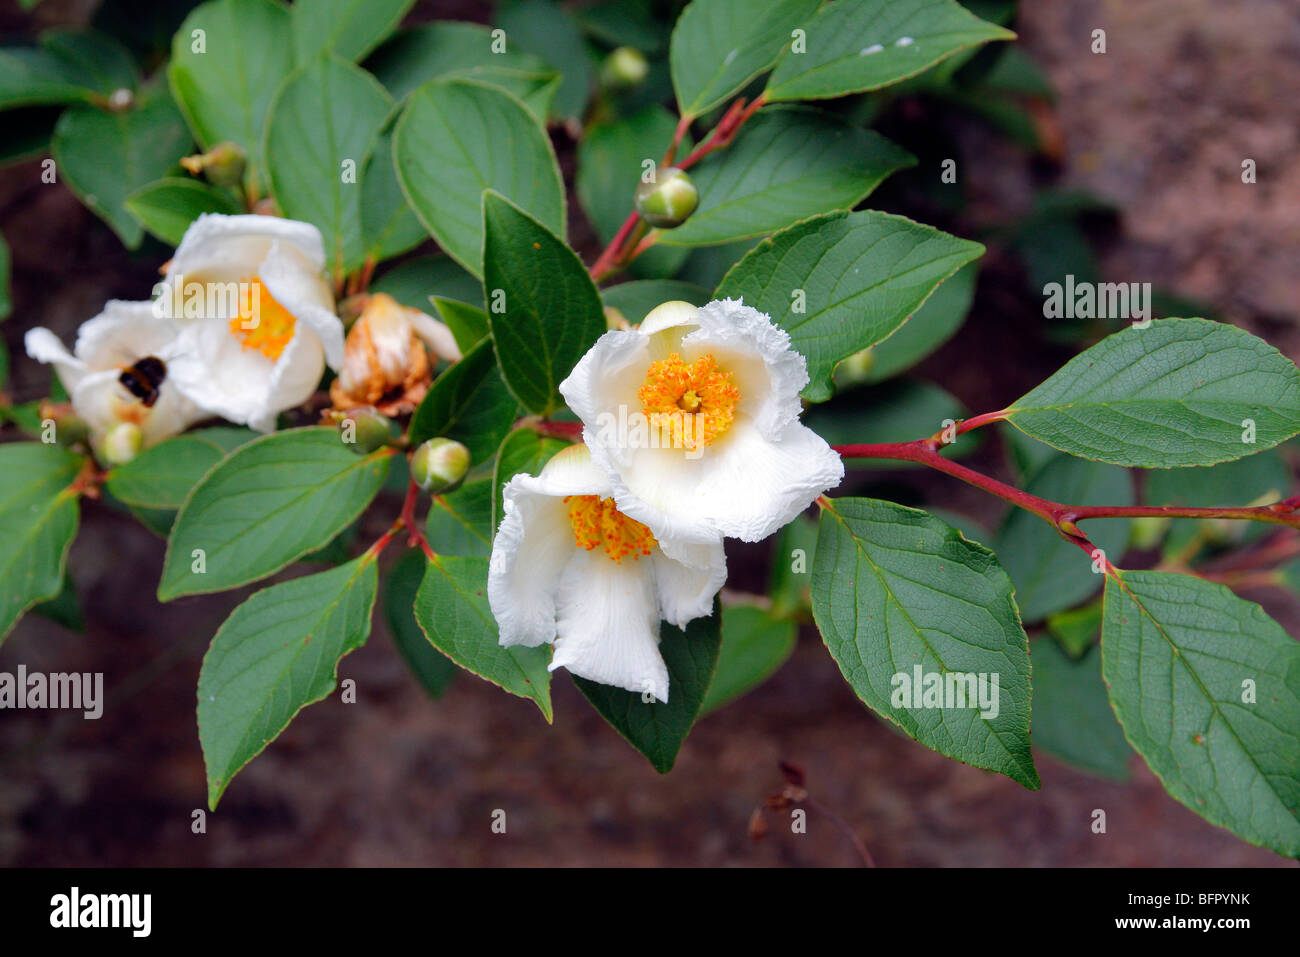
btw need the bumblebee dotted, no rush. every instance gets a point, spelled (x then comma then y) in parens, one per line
(144, 379)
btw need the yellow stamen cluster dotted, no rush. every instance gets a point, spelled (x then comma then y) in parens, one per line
(262, 324)
(695, 402)
(596, 521)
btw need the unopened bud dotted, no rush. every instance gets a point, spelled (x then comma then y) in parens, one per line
(623, 69)
(1149, 531)
(364, 429)
(667, 201)
(854, 370)
(120, 99)
(69, 428)
(223, 165)
(439, 466)
(120, 444)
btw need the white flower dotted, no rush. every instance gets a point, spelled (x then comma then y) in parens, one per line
(385, 364)
(568, 568)
(109, 346)
(262, 315)
(727, 454)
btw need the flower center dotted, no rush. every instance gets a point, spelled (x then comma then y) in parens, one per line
(596, 521)
(696, 402)
(262, 324)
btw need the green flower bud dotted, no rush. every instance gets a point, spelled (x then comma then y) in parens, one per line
(623, 69)
(1149, 531)
(439, 466)
(69, 428)
(223, 165)
(667, 201)
(854, 370)
(364, 429)
(120, 444)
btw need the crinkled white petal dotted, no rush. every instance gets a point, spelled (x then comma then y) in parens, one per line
(686, 589)
(746, 486)
(607, 624)
(529, 553)
(222, 248)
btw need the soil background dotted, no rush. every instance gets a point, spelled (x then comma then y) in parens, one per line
(1158, 125)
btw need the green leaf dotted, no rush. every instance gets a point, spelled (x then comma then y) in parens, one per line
(545, 29)
(1050, 573)
(720, 45)
(278, 652)
(863, 274)
(431, 668)
(38, 512)
(166, 207)
(415, 280)
(70, 66)
(1207, 689)
(469, 325)
(635, 299)
(225, 76)
(447, 49)
(895, 590)
(522, 451)
(161, 477)
(789, 574)
(6, 291)
(105, 157)
(267, 504)
(324, 122)
(1076, 629)
(1072, 716)
(852, 47)
(349, 28)
(657, 729)
(389, 226)
(610, 158)
(927, 329)
(458, 138)
(469, 403)
(460, 522)
(898, 411)
(1256, 480)
(787, 164)
(64, 608)
(452, 609)
(552, 313)
(1179, 392)
(754, 646)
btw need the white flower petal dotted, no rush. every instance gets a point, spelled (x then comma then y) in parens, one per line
(668, 315)
(435, 335)
(607, 624)
(307, 297)
(44, 346)
(529, 554)
(686, 589)
(224, 248)
(217, 373)
(294, 378)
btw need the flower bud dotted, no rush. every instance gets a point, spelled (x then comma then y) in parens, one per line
(623, 69)
(69, 428)
(223, 165)
(120, 444)
(1149, 531)
(667, 201)
(854, 370)
(364, 429)
(385, 364)
(439, 465)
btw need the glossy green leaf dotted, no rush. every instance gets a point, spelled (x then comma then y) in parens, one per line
(469, 325)
(1207, 688)
(349, 28)
(315, 167)
(861, 274)
(469, 403)
(69, 66)
(1076, 629)
(552, 313)
(522, 451)
(458, 138)
(447, 49)
(852, 47)
(105, 157)
(452, 608)
(657, 729)
(1072, 716)
(787, 164)
(389, 227)
(412, 282)
(1050, 573)
(268, 504)
(933, 324)
(549, 31)
(460, 522)
(166, 207)
(162, 477)
(229, 59)
(1255, 480)
(6, 289)
(720, 45)
(38, 512)
(754, 646)
(1179, 392)
(431, 668)
(278, 652)
(896, 591)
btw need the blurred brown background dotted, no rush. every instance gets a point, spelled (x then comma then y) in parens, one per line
(1159, 125)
